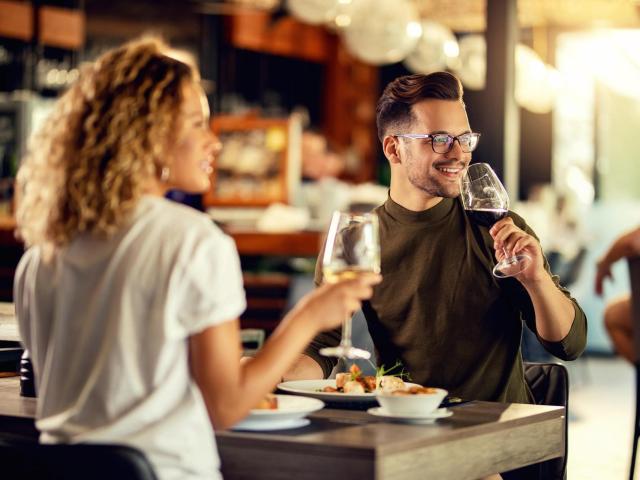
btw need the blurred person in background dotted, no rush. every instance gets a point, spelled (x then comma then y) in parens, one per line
(319, 160)
(617, 314)
(128, 303)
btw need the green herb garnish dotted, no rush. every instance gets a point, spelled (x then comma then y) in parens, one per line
(382, 371)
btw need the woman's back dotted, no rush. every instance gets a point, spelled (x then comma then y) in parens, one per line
(108, 320)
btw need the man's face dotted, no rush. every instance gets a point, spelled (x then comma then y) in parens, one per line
(437, 174)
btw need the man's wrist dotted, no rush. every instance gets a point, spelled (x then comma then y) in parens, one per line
(538, 283)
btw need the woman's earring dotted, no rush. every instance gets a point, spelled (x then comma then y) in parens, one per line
(165, 173)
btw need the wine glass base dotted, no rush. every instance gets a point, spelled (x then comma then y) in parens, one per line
(345, 352)
(512, 266)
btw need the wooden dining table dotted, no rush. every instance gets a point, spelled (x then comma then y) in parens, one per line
(479, 439)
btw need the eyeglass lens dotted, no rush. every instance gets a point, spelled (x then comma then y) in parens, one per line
(444, 143)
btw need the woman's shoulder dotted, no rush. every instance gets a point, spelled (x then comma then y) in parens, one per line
(170, 226)
(176, 217)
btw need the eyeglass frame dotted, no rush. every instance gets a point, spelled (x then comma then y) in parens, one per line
(453, 139)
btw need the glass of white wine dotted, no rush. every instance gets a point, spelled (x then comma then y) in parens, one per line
(352, 248)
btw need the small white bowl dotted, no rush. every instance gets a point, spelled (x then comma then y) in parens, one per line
(418, 404)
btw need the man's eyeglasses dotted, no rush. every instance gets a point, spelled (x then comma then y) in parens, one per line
(443, 142)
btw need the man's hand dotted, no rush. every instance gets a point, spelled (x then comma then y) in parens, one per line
(554, 312)
(603, 271)
(627, 245)
(509, 240)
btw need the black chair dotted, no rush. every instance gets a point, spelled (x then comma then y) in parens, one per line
(549, 384)
(26, 460)
(634, 276)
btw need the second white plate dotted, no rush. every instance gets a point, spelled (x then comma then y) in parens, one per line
(291, 409)
(252, 426)
(429, 418)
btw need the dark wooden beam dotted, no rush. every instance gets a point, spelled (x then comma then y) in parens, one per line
(501, 120)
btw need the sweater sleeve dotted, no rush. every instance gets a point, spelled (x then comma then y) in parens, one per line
(571, 346)
(330, 338)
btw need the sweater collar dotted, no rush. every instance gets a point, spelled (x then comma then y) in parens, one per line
(429, 216)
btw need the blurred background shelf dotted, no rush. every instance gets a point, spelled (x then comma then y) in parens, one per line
(295, 244)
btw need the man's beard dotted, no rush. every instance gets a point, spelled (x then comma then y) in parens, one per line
(432, 187)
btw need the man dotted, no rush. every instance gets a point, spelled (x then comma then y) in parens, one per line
(439, 310)
(617, 314)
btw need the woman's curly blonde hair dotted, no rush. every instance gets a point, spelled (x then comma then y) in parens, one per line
(88, 165)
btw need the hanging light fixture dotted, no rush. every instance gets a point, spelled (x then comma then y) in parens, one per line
(382, 32)
(471, 66)
(436, 50)
(315, 12)
(534, 89)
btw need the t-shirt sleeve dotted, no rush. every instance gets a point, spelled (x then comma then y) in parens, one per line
(570, 347)
(20, 298)
(210, 287)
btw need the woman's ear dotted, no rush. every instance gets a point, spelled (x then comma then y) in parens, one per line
(390, 147)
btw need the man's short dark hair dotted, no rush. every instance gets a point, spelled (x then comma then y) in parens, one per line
(394, 105)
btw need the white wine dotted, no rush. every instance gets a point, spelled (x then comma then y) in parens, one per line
(335, 274)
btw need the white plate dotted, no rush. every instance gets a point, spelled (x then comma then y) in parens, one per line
(290, 409)
(429, 418)
(251, 426)
(313, 388)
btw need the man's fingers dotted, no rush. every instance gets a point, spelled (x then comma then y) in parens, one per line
(522, 243)
(499, 225)
(501, 236)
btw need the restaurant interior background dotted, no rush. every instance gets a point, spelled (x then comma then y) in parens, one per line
(553, 85)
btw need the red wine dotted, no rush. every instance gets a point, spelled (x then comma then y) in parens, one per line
(486, 216)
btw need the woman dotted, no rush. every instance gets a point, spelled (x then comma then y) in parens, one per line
(128, 303)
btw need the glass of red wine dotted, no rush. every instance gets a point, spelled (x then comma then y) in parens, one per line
(486, 201)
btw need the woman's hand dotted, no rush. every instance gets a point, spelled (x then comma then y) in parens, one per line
(509, 240)
(230, 389)
(329, 304)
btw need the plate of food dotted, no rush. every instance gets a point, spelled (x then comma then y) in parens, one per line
(279, 412)
(348, 387)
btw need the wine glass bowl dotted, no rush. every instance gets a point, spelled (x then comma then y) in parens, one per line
(485, 201)
(352, 248)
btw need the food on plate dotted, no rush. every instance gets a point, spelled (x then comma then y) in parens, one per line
(353, 386)
(268, 402)
(416, 390)
(356, 382)
(389, 383)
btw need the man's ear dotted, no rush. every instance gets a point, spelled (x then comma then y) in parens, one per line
(390, 147)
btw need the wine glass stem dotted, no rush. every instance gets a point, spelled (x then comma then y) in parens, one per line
(346, 332)
(508, 258)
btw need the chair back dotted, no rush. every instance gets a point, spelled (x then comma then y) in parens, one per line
(252, 340)
(634, 278)
(73, 462)
(549, 384)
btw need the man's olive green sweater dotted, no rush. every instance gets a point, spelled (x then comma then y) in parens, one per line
(441, 312)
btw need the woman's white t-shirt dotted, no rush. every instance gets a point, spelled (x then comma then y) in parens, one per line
(107, 323)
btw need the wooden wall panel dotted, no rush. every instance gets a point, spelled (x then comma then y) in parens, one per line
(286, 36)
(350, 96)
(16, 20)
(61, 27)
